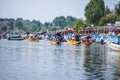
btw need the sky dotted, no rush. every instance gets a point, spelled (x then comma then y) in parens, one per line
(46, 10)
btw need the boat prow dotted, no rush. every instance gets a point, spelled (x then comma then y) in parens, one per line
(114, 46)
(55, 42)
(73, 42)
(87, 43)
(33, 40)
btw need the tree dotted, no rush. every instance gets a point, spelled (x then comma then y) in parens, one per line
(94, 11)
(59, 21)
(109, 18)
(43, 28)
(3, 26)
(103, 21)
(70, 21)
(78, 25)
(25, 25)
(117, 9)
(10, 24)
(107, 10)
(18, 23)
(34, 26)
(118, 18)
(47, 25)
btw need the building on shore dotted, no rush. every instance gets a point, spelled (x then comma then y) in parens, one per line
(100, 29)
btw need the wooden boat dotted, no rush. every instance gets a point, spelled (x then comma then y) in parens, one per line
(16, 38)
(73, 42)
(86, 42)
(33, 40)
(114, 46)
(55, 42)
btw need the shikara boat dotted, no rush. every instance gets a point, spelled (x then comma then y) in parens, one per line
(55, 42)
(74, 42)
(114, 46)
(86, 42)
(33, 40)
(14, 37)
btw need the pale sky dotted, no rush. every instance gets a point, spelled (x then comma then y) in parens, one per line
(45, 10)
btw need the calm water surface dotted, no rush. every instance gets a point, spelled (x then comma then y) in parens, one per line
(22, 60)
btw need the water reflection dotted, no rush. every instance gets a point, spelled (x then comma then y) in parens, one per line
(112, 65)
(96, 63)
(21, 60)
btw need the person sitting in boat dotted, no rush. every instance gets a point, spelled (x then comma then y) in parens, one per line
(86, 39)
(58, 36)
(73, 36)
(69, 37)
(55, 38)
(77, 37)
(33, 38)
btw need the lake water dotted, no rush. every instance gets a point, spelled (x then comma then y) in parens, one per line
(22, 60)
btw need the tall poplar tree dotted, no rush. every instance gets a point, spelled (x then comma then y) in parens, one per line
(94, 11)
(117, 9)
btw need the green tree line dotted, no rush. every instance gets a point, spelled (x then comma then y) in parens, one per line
(20, 24)
(96, 13)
